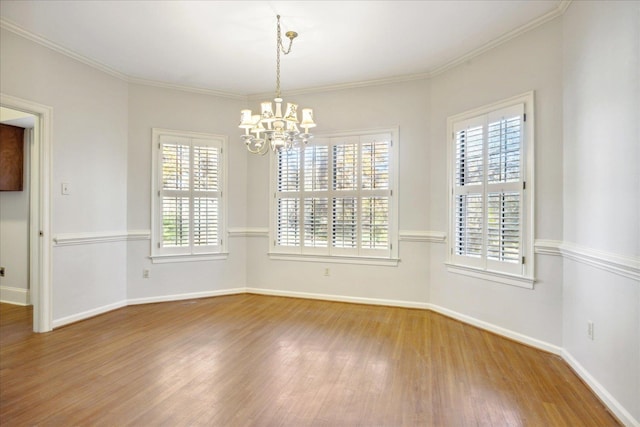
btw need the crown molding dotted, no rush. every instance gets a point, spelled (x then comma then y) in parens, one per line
(16, 29)
(192, 89)
(558, 11)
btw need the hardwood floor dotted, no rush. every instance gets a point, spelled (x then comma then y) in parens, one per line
(255, 360)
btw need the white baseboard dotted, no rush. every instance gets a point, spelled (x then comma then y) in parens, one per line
(17, 296)
(87, 314)
(524, 339)
(180, 297)
(339, 298)
(614, 406)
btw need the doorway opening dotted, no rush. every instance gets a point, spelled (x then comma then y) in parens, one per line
(39, 217)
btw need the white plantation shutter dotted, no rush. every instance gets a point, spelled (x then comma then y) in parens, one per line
(189, 194)
(334, 197)
(487, 194)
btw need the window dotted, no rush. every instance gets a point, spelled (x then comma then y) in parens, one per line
(336, 197)
(188, 205)
(491, 204)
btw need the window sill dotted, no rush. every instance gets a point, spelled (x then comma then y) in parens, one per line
(163, 259)
(337, 259)
(492, 276)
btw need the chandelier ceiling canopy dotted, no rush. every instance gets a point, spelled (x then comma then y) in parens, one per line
(270, 128)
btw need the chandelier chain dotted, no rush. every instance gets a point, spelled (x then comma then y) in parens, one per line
(280, 47)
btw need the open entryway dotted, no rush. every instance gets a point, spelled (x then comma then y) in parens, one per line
(25, 249)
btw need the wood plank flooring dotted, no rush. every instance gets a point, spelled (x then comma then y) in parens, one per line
(251, 360)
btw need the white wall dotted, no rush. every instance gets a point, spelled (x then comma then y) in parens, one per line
(602, 191)
(151, 107)
(404, 104)
(90, 153)
(14, 238)
(532, 61)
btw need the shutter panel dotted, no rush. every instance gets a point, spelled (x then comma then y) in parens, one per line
(175, 166)
(503, 228)
(288, 222)
(345, 225)
(375, 165)
(345, 166)
(205, 166)
(205, 221)
(375, 223)
(316, 168)
(175, 221)
(288, 173)
(469, 225)
(315, 222)
(504, 147)
(469, 156)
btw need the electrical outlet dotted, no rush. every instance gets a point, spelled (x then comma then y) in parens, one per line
(146, 273)
(65, 188)
(327, 272)
(590, 329)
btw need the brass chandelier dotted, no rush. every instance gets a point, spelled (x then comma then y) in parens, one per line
(275, 130)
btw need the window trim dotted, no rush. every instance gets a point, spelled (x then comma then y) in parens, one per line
(312, 255)
(526, 279)
(158, 256)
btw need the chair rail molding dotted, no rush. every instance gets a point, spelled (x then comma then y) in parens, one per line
(622, 265)
(69, 239)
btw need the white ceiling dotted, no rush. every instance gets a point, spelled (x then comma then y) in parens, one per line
(229, 46)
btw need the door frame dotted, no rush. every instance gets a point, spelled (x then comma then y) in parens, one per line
(40, 241)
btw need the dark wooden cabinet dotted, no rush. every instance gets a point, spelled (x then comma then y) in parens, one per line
(11, 158)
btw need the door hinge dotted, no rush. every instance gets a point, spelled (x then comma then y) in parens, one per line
(524, 117)
(523, 260)
(158, 193)
(524, 185)
(158, 245)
